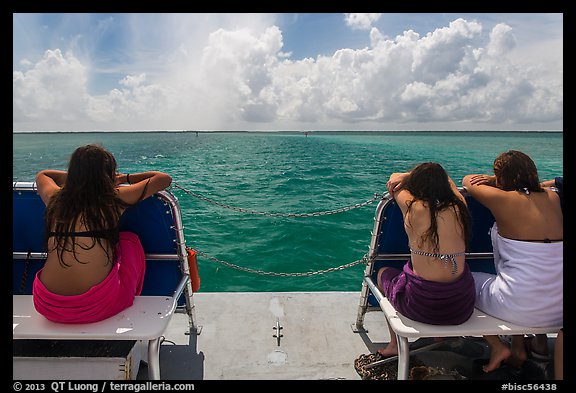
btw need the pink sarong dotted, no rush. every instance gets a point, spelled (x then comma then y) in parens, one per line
(114, 294)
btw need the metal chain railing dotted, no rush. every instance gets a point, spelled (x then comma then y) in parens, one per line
(250, 211)
(362, 260)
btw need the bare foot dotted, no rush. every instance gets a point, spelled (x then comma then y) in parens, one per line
(518, 351)
(388, 351)
(522, 347)
(498, 354)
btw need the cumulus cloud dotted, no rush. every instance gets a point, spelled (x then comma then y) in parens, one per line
(361, 21)
(137, 102)
(502, 40)
(242, 79)
(54, 89)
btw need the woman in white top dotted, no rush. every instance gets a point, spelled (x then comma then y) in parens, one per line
(527, 239)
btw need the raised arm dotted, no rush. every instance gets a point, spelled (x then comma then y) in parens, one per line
(395, 187)
(142, 185)
(49, 182)
(394, 183)
(483, 188)
(456, 191)
(557, 182)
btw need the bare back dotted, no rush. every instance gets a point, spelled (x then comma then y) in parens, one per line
(532, 217)
(91, 264)
(451, 241)
(87, 268)
(527, 216)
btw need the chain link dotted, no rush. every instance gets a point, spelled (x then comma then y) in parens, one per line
(249, 211)
(363, 260)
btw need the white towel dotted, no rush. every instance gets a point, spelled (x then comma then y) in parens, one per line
(528, 288)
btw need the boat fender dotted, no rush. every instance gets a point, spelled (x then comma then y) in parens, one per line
(193, 269)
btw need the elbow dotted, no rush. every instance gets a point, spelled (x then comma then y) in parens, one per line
(39, 175)
(166, 180)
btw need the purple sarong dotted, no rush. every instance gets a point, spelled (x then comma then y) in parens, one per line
(435, 303)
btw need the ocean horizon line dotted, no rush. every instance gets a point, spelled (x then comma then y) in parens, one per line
(281, 131)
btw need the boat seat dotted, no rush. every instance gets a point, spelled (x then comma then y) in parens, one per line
(157, 222)
(389, 247)
(147, 319)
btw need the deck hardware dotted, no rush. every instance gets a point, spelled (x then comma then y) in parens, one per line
(278, 335)
(392, 358)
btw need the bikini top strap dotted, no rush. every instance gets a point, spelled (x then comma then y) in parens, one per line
(443, 257)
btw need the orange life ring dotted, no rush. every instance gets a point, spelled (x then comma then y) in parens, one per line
(193, 269)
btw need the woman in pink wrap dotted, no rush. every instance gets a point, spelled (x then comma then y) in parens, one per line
(92, 271)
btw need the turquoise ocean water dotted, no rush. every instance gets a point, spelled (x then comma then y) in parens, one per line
(285, 173)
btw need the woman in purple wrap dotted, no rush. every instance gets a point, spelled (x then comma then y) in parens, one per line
(92, 269)
(435, 286)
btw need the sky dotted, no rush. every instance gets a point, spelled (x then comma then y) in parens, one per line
(287, 71)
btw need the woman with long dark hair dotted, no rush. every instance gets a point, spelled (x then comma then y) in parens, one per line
(92, 270)
(435, 285)
(527, 238)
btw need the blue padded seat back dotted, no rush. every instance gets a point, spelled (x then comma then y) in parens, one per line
(482, 221)
(27, 222)
(27, 236)
(153, 221)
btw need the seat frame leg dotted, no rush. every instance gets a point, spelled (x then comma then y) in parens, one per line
(403, 357)
(154, 359)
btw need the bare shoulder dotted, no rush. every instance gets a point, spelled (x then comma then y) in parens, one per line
(418, 209)
(403, 198)
(551, 194)
(551, 197)
(419, 206)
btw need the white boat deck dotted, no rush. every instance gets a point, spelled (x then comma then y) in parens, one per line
(237, 340)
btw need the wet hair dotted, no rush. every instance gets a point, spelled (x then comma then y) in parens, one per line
(429, 183)
(88, 195)
(515, 170)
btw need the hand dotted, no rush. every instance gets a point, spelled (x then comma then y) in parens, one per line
(483, 179)
(120, 178)
(395, 182)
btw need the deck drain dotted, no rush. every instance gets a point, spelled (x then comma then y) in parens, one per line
(277, 357)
